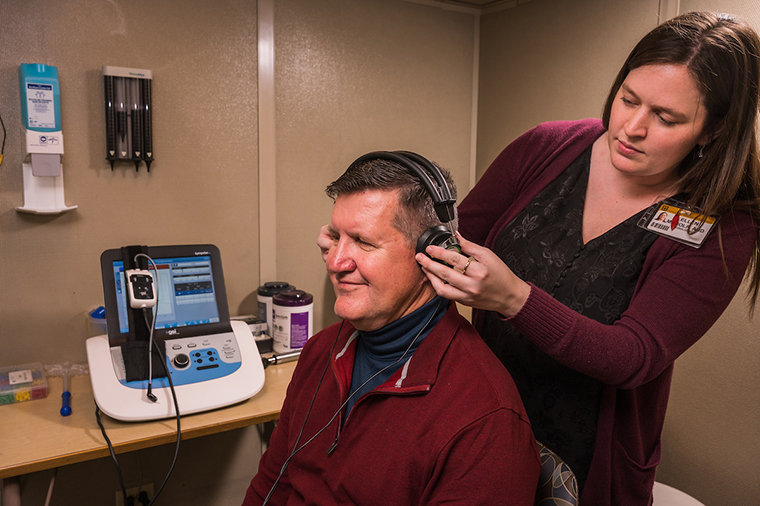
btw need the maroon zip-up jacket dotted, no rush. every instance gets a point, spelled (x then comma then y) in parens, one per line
(447, 428)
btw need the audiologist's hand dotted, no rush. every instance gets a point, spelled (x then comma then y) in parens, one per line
(324, 241)
(477, 278)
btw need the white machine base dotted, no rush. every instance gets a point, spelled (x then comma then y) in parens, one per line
(132, 405)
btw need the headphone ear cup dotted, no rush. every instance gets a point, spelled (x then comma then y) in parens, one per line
(436, 236)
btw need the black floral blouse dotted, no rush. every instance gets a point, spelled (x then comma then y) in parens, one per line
(544, 245)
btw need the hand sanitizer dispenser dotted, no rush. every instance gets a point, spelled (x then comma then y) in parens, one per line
(41, 118)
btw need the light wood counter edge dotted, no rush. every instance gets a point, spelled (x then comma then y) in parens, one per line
(263, 407)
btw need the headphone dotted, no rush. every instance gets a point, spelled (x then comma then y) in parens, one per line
(435, 184)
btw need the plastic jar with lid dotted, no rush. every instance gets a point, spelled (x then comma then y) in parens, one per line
(292, 320)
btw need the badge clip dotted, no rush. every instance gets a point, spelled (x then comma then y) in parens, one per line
(675, 220)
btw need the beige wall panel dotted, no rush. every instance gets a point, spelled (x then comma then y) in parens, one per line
(551, 60)
(201, 188)
(712, 432)
(354, 76)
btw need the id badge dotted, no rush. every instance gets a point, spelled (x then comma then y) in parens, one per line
(676, 221)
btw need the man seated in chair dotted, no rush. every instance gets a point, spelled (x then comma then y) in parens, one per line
(402, 402)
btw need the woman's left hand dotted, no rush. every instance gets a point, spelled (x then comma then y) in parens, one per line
(476, 278)
(324, 241)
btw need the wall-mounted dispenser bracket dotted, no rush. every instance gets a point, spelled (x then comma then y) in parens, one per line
(43, 140)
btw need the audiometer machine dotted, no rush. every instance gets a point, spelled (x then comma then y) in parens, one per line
(212, 361)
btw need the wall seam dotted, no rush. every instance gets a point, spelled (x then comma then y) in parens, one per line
(267, 143)
(474, 113)
(668, 10)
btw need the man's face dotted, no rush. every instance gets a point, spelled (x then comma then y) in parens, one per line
(371, 264)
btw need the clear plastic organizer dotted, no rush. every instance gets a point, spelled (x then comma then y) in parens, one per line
(21, 383)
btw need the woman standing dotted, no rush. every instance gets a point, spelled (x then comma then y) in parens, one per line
(583, 299)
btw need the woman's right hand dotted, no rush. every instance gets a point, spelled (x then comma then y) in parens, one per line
(476, 278)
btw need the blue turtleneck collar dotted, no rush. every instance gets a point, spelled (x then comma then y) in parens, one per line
(379, 348)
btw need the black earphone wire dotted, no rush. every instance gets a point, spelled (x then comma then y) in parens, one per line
(5, 136)
(152, 345)
(113, 454)
(303, 426)
(150, 394)
(296, 448)
(176, 410)
(176, 448)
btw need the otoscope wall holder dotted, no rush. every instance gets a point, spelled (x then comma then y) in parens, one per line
(129, 112)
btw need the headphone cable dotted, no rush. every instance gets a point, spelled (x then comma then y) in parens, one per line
(113, 454)
(176, 410)
(152, 345)
(303, 426)
(5, 135)
(150, 394)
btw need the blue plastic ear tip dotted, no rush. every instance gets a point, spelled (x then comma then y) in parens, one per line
(65, 411)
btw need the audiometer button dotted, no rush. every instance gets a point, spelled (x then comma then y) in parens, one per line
(181, 361)
(177, 347)
(192, 345)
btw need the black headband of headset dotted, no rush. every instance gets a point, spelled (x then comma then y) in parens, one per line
(423, 169)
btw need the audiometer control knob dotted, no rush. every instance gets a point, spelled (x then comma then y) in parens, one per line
(181, 361)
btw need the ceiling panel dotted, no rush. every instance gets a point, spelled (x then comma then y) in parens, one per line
(482, 5)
